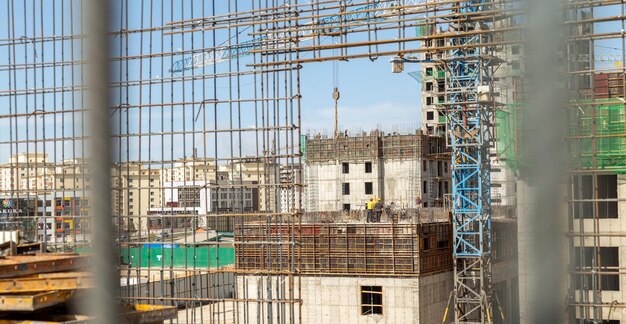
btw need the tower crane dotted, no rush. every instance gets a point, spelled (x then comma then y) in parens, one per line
(382, 10)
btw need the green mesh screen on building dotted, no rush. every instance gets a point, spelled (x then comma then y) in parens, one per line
(607, 123)
(605, 119)
(508, 130)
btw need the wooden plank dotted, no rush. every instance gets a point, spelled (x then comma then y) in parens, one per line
(8, 248)
(130, 314)
(601, 76)
(29, 248)
(22, 285)
(140, 313)
(34, 302)
(49, 319)
(68, 274)
(22, 265)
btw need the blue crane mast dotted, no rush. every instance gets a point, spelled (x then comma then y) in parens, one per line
(470, 110)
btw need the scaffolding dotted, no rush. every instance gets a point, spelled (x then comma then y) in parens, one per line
(206, 105)
(366, 147)
(597, 155)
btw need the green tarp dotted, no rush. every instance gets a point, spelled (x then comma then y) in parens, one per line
(177, 257)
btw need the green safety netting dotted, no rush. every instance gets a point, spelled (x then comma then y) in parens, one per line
(303, 146)
(609, 142)
(508, 129)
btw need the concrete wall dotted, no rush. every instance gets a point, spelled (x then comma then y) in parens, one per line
(613, 230)
(402, 182)
(324, 181)
(394, 180)
(506, 286)
(338, 299)
(265, 294)
(433, 296)
(209, 285)
(321, 187)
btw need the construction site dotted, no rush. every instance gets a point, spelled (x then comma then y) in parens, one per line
(155, 162)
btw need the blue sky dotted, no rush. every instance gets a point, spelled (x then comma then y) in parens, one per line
(371, 96)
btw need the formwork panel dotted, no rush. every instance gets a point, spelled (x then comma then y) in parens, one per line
(360, 249)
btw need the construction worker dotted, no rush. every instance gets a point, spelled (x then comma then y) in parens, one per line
(370, 209)
(378, 210)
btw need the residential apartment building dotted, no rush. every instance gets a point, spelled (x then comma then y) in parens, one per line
(432, 76)
(264, 172)
(63, 218)
(189, 169)
(26, 172)
(34, 173)
(596, 192)
(140, 190)
(136, 189)
(200, 203)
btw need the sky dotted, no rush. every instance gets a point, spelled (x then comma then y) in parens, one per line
(371, 96)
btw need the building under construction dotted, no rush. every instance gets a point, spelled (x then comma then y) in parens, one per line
(404, 170)
(180, 133)
(351, 270)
